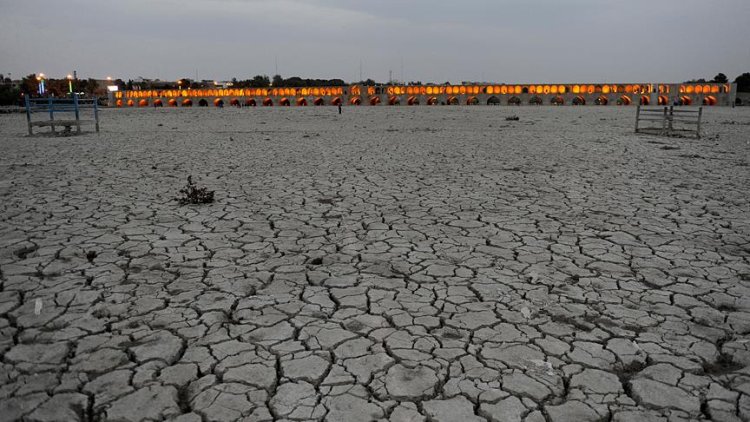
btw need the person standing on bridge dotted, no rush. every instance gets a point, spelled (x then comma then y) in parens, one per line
(339, 108)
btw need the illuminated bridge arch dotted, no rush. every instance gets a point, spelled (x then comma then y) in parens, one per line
(432, 101)
(355, 101)
(158, 103)
(202, 103)
(412, 101)
(624, 100)
(218, 103)
(172, 102)
(558, 101)
(336, 101)
(579, 100)
(319, 101)
(514, 101)
(250, 102)
(374, 100)
(709, 100)
(601, 100)
(235, 102)
(645, 100)
(452, 101)
(686, 101)
(284, 102)
(143, 103)
(536, 100)
(187, 102)
(493, 100)
(472, 101)
(302, 102)
(267, 102)
(394, 100)
(663, 100)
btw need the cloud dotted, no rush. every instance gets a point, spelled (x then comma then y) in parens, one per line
(500, 40)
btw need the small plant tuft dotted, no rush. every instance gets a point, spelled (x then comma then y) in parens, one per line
(512, 118)
(191, 194)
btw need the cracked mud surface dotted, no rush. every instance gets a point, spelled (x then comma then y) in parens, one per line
(426, 264)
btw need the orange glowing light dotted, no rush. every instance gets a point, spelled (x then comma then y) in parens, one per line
(187, 102)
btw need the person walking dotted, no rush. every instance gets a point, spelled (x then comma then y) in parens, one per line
(339, 108)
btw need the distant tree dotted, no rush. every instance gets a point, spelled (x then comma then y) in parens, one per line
(720, 78)
(29, 84)
(129, 85)
(743, 82)
(9, 95)
(277, 80)
(234, 81)
(259, 81)
(696, 81)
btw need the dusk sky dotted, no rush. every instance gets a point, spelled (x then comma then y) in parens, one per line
(534, 41)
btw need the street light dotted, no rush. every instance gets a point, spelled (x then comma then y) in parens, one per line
(40, 78)
(70, 83)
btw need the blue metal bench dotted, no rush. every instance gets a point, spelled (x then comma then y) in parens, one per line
(68, 106)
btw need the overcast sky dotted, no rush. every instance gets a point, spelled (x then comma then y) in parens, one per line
(513, 41)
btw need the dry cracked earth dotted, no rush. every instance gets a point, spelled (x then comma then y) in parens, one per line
(389, 264)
